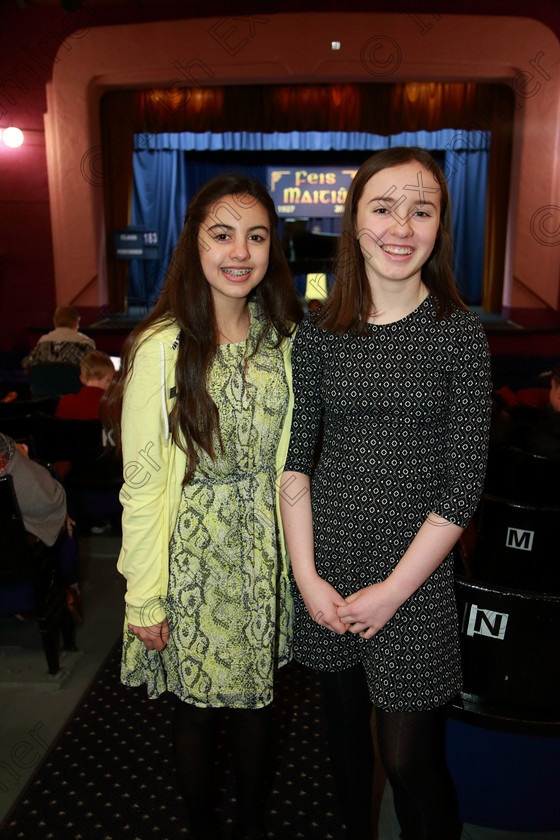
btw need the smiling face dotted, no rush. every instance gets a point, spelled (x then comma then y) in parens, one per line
(397, 221)
(234, 245)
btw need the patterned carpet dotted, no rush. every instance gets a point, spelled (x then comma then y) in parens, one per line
(110, 774)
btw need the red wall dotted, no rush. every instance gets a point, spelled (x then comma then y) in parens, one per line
(26, 265)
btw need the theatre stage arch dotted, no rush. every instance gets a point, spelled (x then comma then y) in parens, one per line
(297, 48)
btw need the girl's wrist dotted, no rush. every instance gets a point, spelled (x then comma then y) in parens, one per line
(394, 591)
(306, 575)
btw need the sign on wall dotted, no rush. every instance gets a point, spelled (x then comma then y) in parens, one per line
(318, 191)
(136, 244)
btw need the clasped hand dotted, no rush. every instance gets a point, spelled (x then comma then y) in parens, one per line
(322, 600)
(155, 637)
(367, 611)
(364, 612)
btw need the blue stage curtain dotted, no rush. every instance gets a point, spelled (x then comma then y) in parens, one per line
(158, 203)
(165, 181)
(309, 141)
(466, 172)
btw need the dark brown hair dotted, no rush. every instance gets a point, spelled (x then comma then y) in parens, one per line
(350, 303)
(187, 300)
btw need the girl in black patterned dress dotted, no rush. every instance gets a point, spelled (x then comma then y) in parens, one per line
(397, 369)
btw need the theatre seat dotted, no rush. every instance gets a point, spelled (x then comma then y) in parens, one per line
(516, 545)
(509, 649)
(95, 477)
(32, 579)
(502, 731)
(23, 408)
(61, 439)
(522, 476)
(54, 380)
(19, 427)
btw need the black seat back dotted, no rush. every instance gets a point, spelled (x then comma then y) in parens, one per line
(55, 379)
(19, 551)
(24, 559)
(509, 646)
(19, 427)
(83, 443)
(517, 545)
(22, 408)
(522, 476)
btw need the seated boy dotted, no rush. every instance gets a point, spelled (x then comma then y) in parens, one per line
(96, 372)
(63, 344)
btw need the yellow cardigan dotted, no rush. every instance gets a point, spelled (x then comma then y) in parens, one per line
(153, 472)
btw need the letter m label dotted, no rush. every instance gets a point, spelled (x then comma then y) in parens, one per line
(483, 622)
(522, 540)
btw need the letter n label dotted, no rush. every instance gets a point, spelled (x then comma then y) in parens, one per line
(487, 623)
(516, 538)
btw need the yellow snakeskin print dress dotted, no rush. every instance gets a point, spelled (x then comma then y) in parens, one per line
(228, 603)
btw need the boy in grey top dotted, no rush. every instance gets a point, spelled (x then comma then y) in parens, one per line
(64, 344)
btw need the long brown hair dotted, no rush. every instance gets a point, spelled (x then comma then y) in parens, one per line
(186, 300)
(350, 302)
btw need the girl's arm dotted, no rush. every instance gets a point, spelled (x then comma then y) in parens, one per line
(369, 609)
(320, 598)
(467, 441)
(145, 463)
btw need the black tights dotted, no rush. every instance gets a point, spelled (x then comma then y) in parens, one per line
(195, 734)
(412, 752)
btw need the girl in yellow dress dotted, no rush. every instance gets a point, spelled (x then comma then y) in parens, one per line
(205, 390)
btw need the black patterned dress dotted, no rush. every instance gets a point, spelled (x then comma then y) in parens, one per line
(406, 413)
